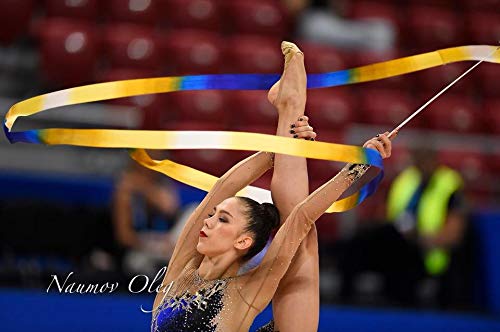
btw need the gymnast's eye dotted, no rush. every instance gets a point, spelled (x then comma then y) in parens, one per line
(210, 215)
(222, 220)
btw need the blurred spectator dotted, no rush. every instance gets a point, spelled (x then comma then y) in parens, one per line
(145, 206)
(322, 21)
(425, 238)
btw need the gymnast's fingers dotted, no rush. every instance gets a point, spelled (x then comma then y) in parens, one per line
(302, 129)
(386, 142)
(301, 121)
(376, 145)
(308, 135)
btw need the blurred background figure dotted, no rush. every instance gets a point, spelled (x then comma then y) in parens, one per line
(326, 22)
(425, 238)
(145, 207)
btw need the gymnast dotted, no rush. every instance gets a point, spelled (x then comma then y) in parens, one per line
(208, 286)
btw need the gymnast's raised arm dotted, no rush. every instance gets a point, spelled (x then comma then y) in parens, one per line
(299, 222)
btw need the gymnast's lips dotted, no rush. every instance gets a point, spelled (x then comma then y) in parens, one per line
(202, 234)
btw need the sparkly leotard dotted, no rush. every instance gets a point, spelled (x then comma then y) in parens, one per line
(190, 303)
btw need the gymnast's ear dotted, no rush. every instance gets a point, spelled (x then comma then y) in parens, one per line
(243, 242)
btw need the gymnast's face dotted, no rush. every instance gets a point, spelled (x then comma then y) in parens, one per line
(224, 230)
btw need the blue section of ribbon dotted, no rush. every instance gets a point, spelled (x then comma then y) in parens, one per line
(258, 81)
(28, 136)
(325, 80)
(229, 82)
(370, 187)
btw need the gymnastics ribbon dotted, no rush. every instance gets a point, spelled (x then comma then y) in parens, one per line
(137, 139)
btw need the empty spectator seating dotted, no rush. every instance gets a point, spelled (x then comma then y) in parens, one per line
(456, 113)
(15, 16)
(189, 51)
(387, 107)
(84, 9)
(194, 14)
(69, 50)
(251, 108)
(435, 79)
(434, 27)
(131, 45)
(322, 58)
(254, 54)
(264, 17)
(201, 106)
(491, 112)
(148, 12)
(330, 109)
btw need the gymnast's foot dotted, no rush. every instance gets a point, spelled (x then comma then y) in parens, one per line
(290, 90)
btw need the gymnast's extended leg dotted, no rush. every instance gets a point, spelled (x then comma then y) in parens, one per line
(296, 302)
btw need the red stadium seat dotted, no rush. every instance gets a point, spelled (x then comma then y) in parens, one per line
(130, 45)
(377, 10)
(434, 27)
(330, 108)
(387, 107)
(483, 4)
(373, 207)
(259, 129)
(264, 181)
(333, 136)
(492, 114)
(327, 227)
(194, 125)
(207, 106)
(193, 52)
(86, 9)
(321, 58)
(487, 75)
(135, 11)
(214, 162)
(399, 160)
(441, 3)
(364, 58)
(254, 54)
(484, 27)
(321, 171)
(15, 16)
(251, 108)
(263, 17)
(119, 74)
(194, 14)
(454, 113)
(69, 50)
(495, 161)
(471, 164)
(435, 79)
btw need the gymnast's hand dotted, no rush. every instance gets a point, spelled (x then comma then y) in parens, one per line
(381, 143)
(302, 129)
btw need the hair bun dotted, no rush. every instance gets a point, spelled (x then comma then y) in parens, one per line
(273, 214)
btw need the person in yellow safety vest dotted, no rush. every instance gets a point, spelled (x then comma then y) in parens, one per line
(413, 205)
(427, 221)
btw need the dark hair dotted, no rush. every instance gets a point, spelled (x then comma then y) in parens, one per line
(262, 220)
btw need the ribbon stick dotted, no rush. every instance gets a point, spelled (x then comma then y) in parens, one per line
(414, 114)
(138, 140)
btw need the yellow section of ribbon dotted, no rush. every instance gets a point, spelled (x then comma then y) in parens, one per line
(204, 181)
